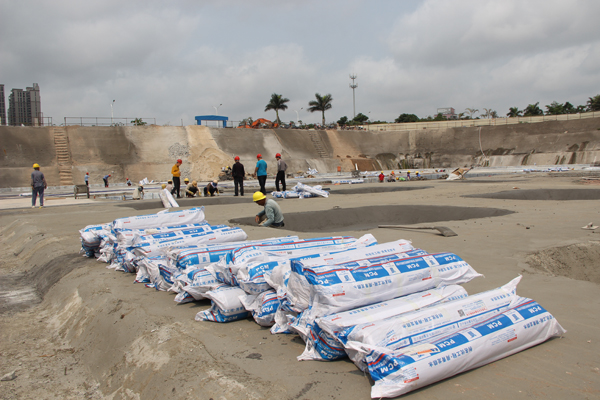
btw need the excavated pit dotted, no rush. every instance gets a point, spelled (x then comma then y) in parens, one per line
(364, 218)
(577, 261)
(542, 194)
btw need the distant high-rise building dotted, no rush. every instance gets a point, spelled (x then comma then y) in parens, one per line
(2, 106)
(25, 107)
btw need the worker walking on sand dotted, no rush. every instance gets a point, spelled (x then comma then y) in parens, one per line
(238, 173)
(271, 215)
(281, 168)
(38, 184)
(105, 179)
(176, 178)
(260, 172)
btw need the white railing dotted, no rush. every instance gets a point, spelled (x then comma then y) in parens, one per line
(411, 126)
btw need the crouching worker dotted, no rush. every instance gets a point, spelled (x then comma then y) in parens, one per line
(138, 193)
(192, 190)
(271, 215)
(211, 188)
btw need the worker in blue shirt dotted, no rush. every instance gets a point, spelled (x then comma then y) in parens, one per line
(261, 173)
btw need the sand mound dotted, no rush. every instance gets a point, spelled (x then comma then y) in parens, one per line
(578, 261)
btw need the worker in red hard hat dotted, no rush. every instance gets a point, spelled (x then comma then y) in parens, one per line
(260, 172)
(238, 173)
(281, 168)
(176, 178)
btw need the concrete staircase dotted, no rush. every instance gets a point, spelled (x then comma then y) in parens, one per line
(63, 156)
(319, 146)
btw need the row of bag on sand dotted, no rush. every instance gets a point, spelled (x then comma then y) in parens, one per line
(396, 311)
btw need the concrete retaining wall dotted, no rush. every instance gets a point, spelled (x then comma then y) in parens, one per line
(150, 151)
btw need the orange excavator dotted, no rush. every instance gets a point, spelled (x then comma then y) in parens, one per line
(260, 123)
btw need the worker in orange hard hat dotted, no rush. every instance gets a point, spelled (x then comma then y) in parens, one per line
(281, 168)
(238, 173)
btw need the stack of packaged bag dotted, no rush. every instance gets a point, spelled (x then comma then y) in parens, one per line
(398, 312)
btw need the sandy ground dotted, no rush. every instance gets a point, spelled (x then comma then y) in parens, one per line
(97, 335)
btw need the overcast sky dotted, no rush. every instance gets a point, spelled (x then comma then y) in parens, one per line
(175, 60)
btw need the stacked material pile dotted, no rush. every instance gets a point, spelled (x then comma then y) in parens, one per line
(398, 312)
(302, 191)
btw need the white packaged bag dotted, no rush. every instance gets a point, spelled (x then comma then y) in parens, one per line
(226, 305)
(337, 288)
(397, 372)
(328, 334)
(423, 325)
(180, 217)
(262, 306)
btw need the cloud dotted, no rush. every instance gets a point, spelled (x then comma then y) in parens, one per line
(177, 60)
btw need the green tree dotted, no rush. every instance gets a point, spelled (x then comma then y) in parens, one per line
(360, 118)
(555, 108)
(323, 103)
(568, 108)
(277, 103)
(343, 121)
(514, 112)
(406, 118)
(138, 122)
(532, 110)
(593, 103)
(439, 117)
(471, 112)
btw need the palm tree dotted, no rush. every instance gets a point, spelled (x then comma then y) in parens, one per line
(277, 103)
(322, 104)
(471, 112)
(593, 103)
(532, 110)
(514, 112)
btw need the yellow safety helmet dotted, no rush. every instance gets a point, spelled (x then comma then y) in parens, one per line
(36, 165)
(186, 180)
(257, 196)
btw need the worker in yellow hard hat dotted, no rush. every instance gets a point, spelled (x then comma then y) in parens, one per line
(381, 177)
(38, 185)
(408, 175)
(271, 215)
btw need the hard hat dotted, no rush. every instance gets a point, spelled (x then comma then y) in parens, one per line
(257, 196)
(409, 171)
(109, 175)
(382, 172)
(185, 180)
(216, 182)
(170, 181)
(87, 173)
(163, 186)
(179, 161)
(277, 155)
(236, 158)
(36, 165)
(259, 156)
